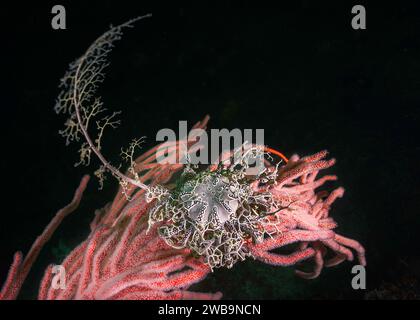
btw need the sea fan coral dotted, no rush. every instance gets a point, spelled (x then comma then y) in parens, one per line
(124, 258)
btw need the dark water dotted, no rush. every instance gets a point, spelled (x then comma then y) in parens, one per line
(298, 71)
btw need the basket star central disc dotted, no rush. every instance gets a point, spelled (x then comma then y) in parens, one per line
(210, 199)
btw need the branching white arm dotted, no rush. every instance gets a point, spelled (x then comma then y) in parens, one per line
(78, 100)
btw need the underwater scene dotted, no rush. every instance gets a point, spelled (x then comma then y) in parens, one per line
(210, 151)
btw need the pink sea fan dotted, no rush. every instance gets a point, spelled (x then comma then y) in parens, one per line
(120, 260)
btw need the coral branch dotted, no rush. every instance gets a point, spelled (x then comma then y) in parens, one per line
(19, 270)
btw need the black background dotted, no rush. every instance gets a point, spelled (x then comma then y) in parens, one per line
(297, 70)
